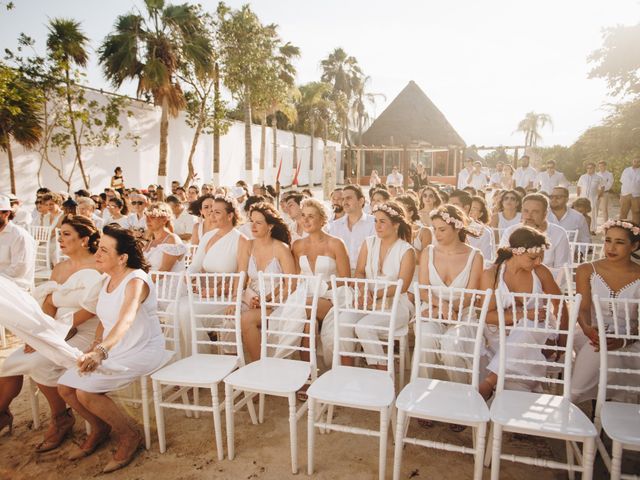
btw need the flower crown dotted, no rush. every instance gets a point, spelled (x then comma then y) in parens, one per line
(227, 199)
(383, 207)
(523, 250)
(622, 224)
(157, 213)
(457, 224)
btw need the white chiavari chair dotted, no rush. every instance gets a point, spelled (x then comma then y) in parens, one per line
(289, 304)
(188, 257)
(454, 336)
(618, 404)
(42, 237)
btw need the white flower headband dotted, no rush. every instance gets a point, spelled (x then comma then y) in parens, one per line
(622, 224)
(227, 199)
(457, 224)
(523, 250)
(383, 207)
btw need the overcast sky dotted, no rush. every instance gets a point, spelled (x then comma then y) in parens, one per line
(483, 63)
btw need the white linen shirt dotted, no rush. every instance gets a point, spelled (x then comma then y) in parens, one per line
(555, 257)
(590, 186)
(463, 176)
(395, 179)
(17, 255)
(478, 181)
(184, 223)
(485, 242)
(572, 220)
(353, 238)
(549, 182)
(523, 176)
(607, 179)
(630, 180)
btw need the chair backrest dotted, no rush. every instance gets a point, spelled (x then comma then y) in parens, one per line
(619, 368)
(289, 306)
(362, 297)
(572, 235)
(191, 251)
(41, 234)
(210, 297)
(538, 337)
(169, 288)
(583, 252)
(462, 308)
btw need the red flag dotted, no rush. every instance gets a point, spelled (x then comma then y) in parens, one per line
(295, 178)
(279, 170)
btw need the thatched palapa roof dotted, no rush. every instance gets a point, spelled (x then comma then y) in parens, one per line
(412, 118)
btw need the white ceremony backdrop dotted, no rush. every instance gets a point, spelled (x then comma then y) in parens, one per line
(140, 163)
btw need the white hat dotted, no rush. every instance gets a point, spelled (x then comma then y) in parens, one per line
(5, 204)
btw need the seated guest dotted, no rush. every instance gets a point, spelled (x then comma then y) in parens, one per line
(17, 249)
(137, 221)
(40, 213)
(87, 208)
(614, 276)
(53, 204)
(164, 251)
(202, 209)
(395, 178)
(336, 204)
(411, 209)
(21, 216)
(429, 200)
(566, 217)
(583, 207)
(294, 211)
(183, 221)
(69, 207)
(378, 196)
(129, 333)
(117, 212)
(193, 192)
(483, 240)
(509, 207)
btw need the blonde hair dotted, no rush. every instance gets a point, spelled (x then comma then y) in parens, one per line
(160, 209)
(313, 203)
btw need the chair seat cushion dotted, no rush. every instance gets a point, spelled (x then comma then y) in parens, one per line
(540, 414)
(621, 421)
(353, 386)
(271, 375)
(197, 370)
(443, 401)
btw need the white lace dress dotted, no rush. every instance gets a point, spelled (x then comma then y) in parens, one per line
(154, 255)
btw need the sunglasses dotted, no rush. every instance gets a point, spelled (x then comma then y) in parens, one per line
(137, 202)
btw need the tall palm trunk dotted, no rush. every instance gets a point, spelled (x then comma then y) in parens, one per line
(194, 144)
(216, 125)
(311, 152)
(248, 157)
(263, 146)
(295, 159)
(74, 133)
(164, 147)
(274, 132)
(6, 146)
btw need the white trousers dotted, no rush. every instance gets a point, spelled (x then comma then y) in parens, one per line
(452, 343)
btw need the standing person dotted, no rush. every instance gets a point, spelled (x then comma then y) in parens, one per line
(183, 220)
(395, 177)
(590, 185)
(507, 181)
(117, 181)
(420, 178)
(496, 178)
(21, 217)
(374, 179)
(566, 217)
(61, 298)
(17, 249)
(525, 176)
(164, 251)
(464, 174)
(614, 276)
(356, 225)
(551, 178)
(477, 178)
(607, 182)
(509, 207)
(130, 334)
(535, 213)
(630, 192)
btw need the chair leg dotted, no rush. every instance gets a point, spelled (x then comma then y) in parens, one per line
(196, 401)
(384, 433)
(252, 409)
(32, 392)
(588, 458)
(215, 404)
(3, 336)
(228, 412)
(261, 408)
(293, 432)
(397, 451)
(480, 438)
(570, 460)
(496, 450)
(157, 400)
(311, 434)
(329, 417)
(146, 420)
(616, 460)
(185, 401)
(403, 349)
(489, 447)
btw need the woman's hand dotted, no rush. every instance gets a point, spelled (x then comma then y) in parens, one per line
(230, 310)
(255, 302)
(592, 335)
(89, 362)
(28, 349)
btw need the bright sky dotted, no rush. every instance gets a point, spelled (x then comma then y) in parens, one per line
(483, 63)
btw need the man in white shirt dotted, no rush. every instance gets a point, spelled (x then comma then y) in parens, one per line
(566, 217)
(463, 176)
(551, 178)
(496, 177)
(21, 216)
(395, 177)
(535, 208)
(336, 204)
(485, 242)
(477, 178)
(525, 176)
(356, 225)
(590, 186)
(630, 192)
(607, 183)
(17, 249)
(184, 221)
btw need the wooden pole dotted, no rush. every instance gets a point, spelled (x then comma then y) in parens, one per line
(515, 158)
(358, 151)
(384, 164)
(404, 159)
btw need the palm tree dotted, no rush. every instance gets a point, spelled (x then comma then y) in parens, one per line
(361, 97)
(149, 48)
(20, 118)
(313, 110)
(67, 46)
(531, 125)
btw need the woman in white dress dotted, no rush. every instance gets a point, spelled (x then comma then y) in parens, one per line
(507, 181)
(202, 209)
(430, 199)
(53, 204)
(450, 264)
(615, 276)
(508, 213)
(217, 253)
(165, 250)
(129, 333)
(518, 269)
(387, 256)
(60, 298)
(268, 252)
(117, 212)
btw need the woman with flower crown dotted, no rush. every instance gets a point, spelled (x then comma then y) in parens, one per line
(387, 256)
(614, 276)
(518, 269)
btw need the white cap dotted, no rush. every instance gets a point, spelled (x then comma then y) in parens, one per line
(5, 204)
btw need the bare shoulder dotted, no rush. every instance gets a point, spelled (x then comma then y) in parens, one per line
(281, 248)
(336, 243)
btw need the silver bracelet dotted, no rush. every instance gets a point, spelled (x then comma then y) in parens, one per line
(100, 348)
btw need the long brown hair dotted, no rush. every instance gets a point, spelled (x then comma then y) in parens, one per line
(279, 229)
(525, 237)
(404, 228)
(457, 214)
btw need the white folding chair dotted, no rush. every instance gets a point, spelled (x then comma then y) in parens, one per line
(42, 237)
(524, 351)
(188, 257)
(169, 288)
(215, 302)
(289, 304)
(3, 337)
(583, 252)
(456, 336)
(572, 235)
(369, 389)
(617, 407)
(497, 234)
